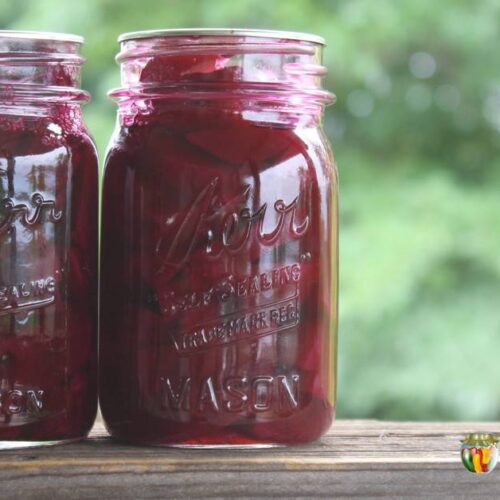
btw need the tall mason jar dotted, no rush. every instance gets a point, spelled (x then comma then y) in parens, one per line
(219, 242)
(48, 243)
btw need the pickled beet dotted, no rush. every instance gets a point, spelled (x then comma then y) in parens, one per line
(198, 68)
(48, 256)
(218, 284)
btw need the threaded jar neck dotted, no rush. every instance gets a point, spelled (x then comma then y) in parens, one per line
(40, 68)
(222, 64)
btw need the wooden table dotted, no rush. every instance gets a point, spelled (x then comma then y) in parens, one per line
(365, 458)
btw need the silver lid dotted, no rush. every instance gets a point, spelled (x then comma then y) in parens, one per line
(290, 35)
(41, 35)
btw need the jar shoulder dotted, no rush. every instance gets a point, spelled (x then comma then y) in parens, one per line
(34, 137)
(229, 146)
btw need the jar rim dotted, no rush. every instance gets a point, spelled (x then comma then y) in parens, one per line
(41, 35)
(289, 35)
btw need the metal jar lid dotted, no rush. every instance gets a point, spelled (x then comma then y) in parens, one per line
(40, 35)
(289, 35)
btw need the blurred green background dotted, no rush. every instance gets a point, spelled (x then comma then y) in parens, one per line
(416, 132)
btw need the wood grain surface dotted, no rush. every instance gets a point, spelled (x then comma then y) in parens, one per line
(357, 458)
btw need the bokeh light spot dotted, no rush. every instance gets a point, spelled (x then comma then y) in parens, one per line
(422, 65)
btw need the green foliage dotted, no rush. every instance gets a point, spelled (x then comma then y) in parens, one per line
(420, 282)
(416, 128)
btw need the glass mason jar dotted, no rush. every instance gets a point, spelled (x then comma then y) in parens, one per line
(48, 243)
(219, 242)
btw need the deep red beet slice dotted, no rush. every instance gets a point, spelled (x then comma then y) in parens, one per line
(167, 69)
(239, 145)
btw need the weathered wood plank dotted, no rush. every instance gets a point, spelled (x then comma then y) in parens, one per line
(356, 458)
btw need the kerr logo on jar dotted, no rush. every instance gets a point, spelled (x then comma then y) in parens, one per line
(226, 226)
(479, 452)
(28, 216)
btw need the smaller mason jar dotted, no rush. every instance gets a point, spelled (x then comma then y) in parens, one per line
(48, 243)
(219, 242)
(479, 452)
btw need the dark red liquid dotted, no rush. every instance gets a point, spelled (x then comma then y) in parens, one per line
(48, 276)
(218, 271)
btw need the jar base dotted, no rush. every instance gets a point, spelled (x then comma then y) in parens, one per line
(17, 445)
(249, 446)
(197, 445)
